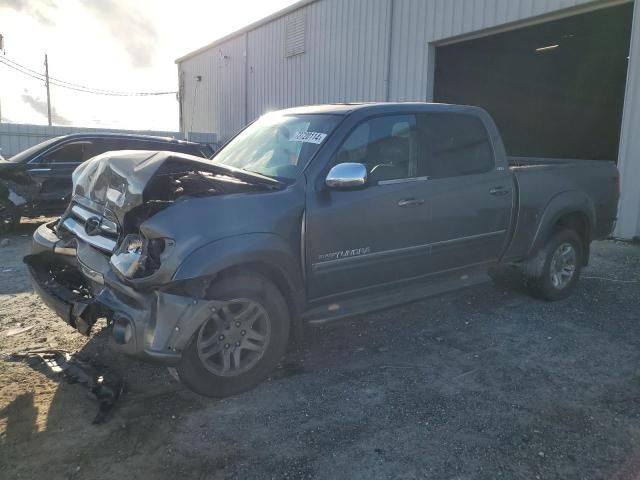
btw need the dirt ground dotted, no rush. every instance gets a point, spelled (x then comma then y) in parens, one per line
(484, 384)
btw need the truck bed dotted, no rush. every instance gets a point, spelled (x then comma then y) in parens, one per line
(540, 181)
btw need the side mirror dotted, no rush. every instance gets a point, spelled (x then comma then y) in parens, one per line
(347, 175)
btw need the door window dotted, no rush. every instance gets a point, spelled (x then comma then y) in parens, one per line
(386, 145)
(102, 145)
(75, 152)
(454, 145)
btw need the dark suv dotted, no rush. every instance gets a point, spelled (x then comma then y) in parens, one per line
(37, 181)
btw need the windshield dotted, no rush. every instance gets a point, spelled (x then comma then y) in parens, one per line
(277, 145)
(26, 155)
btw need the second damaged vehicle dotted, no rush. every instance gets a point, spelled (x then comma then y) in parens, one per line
(308, 215)
(37, 181)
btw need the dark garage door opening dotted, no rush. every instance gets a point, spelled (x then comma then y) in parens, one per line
(556, 89)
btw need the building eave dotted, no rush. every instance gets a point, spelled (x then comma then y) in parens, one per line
(280, 13)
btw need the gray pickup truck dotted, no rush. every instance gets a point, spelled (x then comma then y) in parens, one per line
(307, 215)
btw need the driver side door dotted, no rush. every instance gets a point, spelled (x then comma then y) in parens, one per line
(52, 172)
(359, 239)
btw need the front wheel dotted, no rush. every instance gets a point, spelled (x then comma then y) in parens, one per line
(553, 273)
(242, 341)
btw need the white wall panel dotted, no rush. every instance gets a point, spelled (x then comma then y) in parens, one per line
(344, 60)
(216, 103)
(629, 157)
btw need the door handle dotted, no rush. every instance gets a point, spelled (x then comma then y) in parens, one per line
(37, 170)
(499, 191)
(411, 202)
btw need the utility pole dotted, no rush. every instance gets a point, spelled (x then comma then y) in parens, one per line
(46, 74)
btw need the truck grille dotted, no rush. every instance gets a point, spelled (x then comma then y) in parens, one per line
(92, 228)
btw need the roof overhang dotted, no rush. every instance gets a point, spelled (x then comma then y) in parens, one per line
(280, 13)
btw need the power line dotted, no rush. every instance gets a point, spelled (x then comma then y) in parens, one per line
(68, 85)
(71, 84)
(74, 86)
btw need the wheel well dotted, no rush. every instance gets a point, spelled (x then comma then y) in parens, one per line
(283, 284)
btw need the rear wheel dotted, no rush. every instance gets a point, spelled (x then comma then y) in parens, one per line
(9, 216)
(242, 341)
(553, 273)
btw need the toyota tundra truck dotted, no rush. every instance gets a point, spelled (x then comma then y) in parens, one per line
(308, 215)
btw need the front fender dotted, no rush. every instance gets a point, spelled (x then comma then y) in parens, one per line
(256, 248)
(563, 204)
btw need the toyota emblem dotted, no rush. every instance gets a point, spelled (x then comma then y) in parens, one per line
(92, 226)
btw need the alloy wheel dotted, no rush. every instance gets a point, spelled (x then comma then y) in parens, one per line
(563, 265)
(235, 338)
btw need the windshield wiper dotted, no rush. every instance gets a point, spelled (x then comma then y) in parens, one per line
(252, 177)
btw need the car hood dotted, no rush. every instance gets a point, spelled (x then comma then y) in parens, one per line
(122, 181)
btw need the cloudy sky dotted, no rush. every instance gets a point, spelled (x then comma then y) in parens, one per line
(121, 45)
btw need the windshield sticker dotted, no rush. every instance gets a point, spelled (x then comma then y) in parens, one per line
(308, 137)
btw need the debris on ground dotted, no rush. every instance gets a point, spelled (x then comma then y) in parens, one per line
(17, 331)
(105, 385)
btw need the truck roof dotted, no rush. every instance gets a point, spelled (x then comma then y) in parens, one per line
(377, 107)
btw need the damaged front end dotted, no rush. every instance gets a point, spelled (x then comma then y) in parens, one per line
(64, 290)
(101, 260)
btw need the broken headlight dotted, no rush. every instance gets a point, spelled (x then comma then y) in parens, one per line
(138, 257)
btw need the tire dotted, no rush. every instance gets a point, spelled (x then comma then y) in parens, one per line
(9, 217)
(561, 257)
(244, 296)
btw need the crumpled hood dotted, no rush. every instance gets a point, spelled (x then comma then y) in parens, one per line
(121, 181)
(116, 180)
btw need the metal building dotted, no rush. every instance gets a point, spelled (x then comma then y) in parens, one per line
(561, 77)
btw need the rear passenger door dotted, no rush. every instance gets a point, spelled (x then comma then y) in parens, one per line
(471, 198)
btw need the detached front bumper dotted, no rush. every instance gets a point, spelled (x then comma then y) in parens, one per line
(77, 282)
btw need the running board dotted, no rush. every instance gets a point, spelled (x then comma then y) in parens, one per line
(390, 296)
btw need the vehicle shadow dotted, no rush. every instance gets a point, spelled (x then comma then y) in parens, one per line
(508, 277)
(29, 225)
(13, 277)
(19, 419)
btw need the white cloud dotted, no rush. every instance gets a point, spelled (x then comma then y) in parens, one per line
(128, 26)
(111, 45)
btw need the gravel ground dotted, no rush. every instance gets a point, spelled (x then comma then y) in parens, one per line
(485, 383)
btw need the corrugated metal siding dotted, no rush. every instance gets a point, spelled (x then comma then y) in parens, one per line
(457, 17)
(344, 57)
(15, 137)
(216, 103)
(346, 50)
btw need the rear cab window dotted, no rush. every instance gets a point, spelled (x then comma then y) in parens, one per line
(453, 145)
